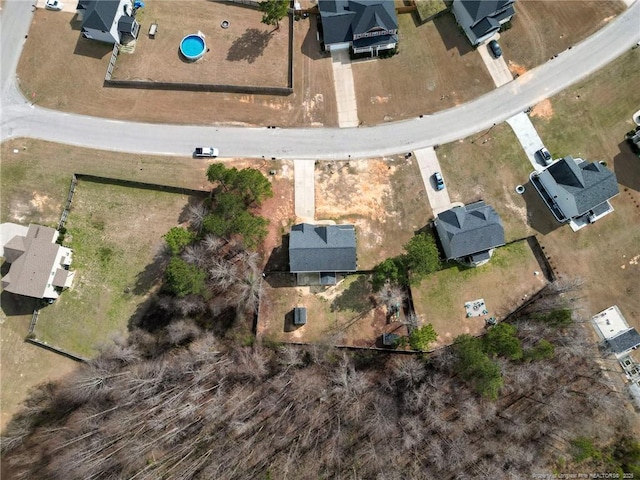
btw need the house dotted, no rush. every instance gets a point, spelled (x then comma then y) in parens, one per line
(469, 234)
(39, 266)
(110, 21)
(481, 19)
(364, 26)
(624, 342)
(317, 253)
(575, 190)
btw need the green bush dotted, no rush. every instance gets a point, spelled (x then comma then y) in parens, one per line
(501, 340)
(184, 278)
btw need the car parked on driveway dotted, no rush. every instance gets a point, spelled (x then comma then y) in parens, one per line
(545, 156)
(210, 152)
(53, 5)
(495, 48)
(437, 178)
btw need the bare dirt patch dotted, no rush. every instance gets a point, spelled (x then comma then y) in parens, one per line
(544, 109)
(68, 75)
(248, 52)
(384, 198)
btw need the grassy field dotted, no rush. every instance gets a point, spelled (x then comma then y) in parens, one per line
(503, 283)
(115, 234)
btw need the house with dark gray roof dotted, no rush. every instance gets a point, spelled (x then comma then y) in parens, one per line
(469, 234)
(624, 341)
(364, 26)
(576, 190)
(318, 253)
(481, 19)
(110, 21)
(39, 266)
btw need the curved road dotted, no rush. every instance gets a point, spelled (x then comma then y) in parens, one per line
(20, 119)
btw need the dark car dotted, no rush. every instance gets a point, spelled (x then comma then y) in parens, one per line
(495, 48)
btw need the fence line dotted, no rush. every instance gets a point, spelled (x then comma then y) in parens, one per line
(34, 319)
(142, 185)
(57, 350)
(67, 206)
(112, 62)
(199, 87)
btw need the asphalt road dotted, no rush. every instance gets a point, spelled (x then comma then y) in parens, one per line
(19, 119)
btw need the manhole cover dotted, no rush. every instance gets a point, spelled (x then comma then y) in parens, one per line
(224, 24)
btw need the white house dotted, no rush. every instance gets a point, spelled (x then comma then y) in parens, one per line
(110, 21)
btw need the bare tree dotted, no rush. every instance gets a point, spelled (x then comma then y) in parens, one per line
(196, 213)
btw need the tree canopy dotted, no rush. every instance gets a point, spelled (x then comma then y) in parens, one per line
(422, 257)
(177, 238)
(273, 11)
(184, 278)
(421, 338)
(501, 340)
(475, 367)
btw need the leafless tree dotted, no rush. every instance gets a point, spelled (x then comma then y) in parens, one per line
(196, 213)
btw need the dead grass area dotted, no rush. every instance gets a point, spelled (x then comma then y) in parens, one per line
(542, 29)
(384, 198)
(435, 69)
(247, 53)
(68, 75)
(488, 167)
(504, 283)
(23, 365)
(344, 314)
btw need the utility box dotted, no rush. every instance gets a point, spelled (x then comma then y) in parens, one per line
(300, 316)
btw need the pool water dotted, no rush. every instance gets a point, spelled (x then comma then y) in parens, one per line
(192, 46)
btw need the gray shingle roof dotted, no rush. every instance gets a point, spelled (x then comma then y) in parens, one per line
(479, 9)
(624, 341)
(468, 230)
(590, 184)
(99, 14)
(342, 19)
(30, 273)
(330, 248)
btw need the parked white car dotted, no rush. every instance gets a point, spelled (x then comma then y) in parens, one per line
(205, 152)
(53, 5)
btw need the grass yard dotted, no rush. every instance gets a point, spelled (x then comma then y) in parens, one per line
(116, 236)
(542, 29)
(428, 8)
(68, 75)
(503, 283)
(343, 314)
(489, 171)
(384, 198)
(435, 69)
(247, 53)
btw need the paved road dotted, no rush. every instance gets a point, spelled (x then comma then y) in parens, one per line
(19, 119)
(345, 91)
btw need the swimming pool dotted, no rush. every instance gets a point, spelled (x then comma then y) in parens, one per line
(193, 47)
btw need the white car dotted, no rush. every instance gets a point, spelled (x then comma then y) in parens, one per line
(53, 5)
(205, 152)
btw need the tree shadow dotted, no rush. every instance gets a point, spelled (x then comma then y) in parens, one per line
(356, 298)
(249, 46)
(539, 217)
(92, 48)
(152, 273)
(626, 165)
(452, 35)
(278, 260)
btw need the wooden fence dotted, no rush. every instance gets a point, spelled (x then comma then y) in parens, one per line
(67, 206)
(112, 62)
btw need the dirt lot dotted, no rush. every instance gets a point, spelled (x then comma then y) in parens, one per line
(344, 314)
(504, 283)
(604, 255)
(435, 69)
(542, 29)
(384, 198)
(78, 66)
(247, 53)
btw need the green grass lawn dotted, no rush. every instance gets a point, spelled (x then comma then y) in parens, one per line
(114, 233)
(428, 8)
(503, 283)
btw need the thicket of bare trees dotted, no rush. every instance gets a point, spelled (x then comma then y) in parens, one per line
(181, 404)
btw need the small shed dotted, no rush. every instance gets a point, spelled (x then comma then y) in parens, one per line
(300, 316)
(390, 339)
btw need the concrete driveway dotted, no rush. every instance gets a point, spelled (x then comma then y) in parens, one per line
(497, 67)
(304, 189)
(345, 91)
(428, 165)
(528, 138)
